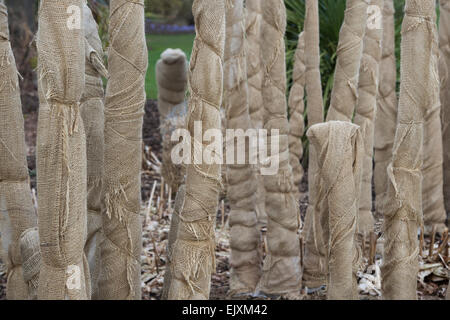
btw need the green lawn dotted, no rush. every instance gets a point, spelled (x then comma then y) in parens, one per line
(156, 44)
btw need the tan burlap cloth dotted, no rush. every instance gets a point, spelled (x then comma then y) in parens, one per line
(173, 232)
(17, 213)
(124, 109)
(254, 79)
(281, 270)
(444, 71)
(339, 147)
(92, 113)
(245, 237)
(365, 115)
(171, 79)
(386, 114)
(193, 258)
(61, 153)
(342, 106)
(419, 96)
(296, 108)
(313, 263)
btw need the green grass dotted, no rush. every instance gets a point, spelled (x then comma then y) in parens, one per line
(156, 44)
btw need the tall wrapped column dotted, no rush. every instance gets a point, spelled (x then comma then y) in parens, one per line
(281, 270)
(296, 109)
(314, 266)
(242, 186)
(193, 257)
(254, 78)
(92, 113)
(386, 115)
(339, 149)
(365, 115)
(16, 208)
(124, 109)
(419, 95)
(61, 152)
(444, 71)
(349, 53)
(172, 80)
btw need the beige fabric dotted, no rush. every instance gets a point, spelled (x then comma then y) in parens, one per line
(365, 116)
(92, 113)
(432, 168)
(281, 270)
(120, 274)
(339, 147)
(193, 258)
(31, 257)
(245, 236)
(314, 266)
(16, 208)
(296, 109)
(173, 232)
(444, 45)
(386, 115)
(172, 80)
(255, 77)
(61, 155)
(349, 52)
(419, 95)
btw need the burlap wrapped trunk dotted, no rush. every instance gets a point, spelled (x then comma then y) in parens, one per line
(296, 109)
(419, 95)
(120, 274)
(254, 79)
(17, 213)
(339, 148)
(281, 270)
(386, 114)
(92, 113)
(365, 114)
(193, 258)
(245, 237)
(172, 80)
(444, 71)
(342, 107)
(61, 153)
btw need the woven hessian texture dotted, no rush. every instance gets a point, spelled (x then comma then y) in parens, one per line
(61, 154)
(314, 268)
(365, 116)
(193, 258)
(16, 208)
(419, 95)
(444, 70)
(171, 79)
(245, 237)
(254, 79)
(124, 109)
(173, 232)
(281, 270)
(339, 147)
(296, 109)
(92, 113)
(386, 114)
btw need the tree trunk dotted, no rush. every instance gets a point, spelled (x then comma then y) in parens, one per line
(281, 270)
(193, 257)
(245, 236)
(419, 95)
(16, 207)
(61, 153)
